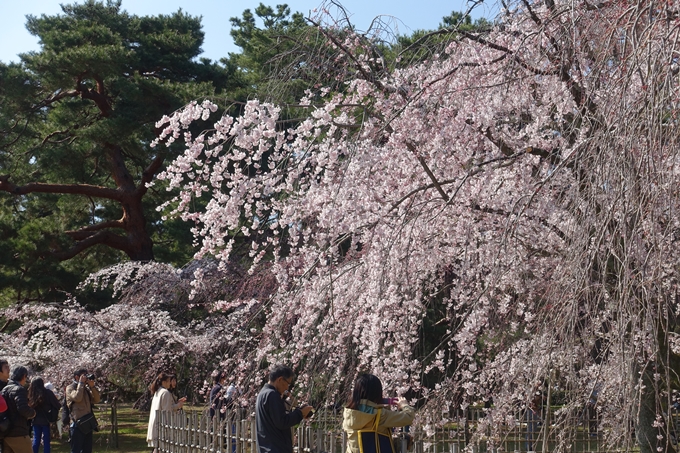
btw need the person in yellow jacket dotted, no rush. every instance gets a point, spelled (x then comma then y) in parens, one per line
(362, 409)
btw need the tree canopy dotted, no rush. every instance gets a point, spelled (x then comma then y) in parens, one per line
(76, 120)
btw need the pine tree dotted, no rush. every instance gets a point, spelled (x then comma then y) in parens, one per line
(76, 120)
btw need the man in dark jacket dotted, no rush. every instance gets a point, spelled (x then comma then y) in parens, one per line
(273, 421)
(217, 394)
(17, 439)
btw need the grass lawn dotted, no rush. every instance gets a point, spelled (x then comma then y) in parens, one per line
(132, 426)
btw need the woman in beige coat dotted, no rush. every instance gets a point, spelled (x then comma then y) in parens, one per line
(362, 409)
(162, 401)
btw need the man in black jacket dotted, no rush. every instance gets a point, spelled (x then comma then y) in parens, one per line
(17, 439)
(273, 421)
(217, 394)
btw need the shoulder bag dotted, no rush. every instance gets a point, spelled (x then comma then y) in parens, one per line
(87, 423)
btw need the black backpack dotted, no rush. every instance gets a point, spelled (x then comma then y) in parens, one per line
(52, 413)
(65, 413)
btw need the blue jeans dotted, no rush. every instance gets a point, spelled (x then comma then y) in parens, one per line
(41, 432)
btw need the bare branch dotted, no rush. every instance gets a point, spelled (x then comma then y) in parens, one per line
(76, 189)
(107, 238)
(422, 162)
(88, 231)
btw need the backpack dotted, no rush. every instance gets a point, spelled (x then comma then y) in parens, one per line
(52, 414)
(65, 413)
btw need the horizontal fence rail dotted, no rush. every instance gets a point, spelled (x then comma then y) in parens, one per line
(196, 432)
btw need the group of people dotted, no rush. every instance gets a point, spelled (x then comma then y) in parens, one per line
(365, 407)
(32, 406)
(164, 399)
(222, 396)
(274, 417)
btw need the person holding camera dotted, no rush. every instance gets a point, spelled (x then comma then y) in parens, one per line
(364, 406)
(272, 420)
(81, 396)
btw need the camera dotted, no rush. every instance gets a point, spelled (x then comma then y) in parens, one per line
(390, 401)
(91, 377)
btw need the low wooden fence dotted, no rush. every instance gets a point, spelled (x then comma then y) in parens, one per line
(195, 432)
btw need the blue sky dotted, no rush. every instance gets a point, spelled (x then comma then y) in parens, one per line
(411, 15)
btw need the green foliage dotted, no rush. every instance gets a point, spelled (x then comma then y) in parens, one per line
(267, 64)
(422, 44)
(76, 121)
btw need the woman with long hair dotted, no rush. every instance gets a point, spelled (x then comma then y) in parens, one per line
(365, 404)
(45, 403)
(162, 401)
(173, 391)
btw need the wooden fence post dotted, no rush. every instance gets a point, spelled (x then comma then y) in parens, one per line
(113, 437)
